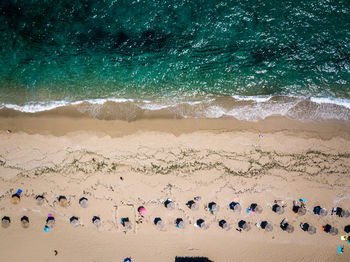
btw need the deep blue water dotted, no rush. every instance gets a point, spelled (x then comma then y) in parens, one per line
(150, 49)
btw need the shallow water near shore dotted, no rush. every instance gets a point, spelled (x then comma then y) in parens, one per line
(165, 54)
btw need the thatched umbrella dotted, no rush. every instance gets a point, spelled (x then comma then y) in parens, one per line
(39, 200)
(62, 200)
(323, 212)
(301, 211)
(333, 231)
(50, 221)
(159, 222)
(311, 230)
(244, 225)
(345, 213)
(180, 223)
(202, 224)
(5, 222)
(278, 209)
(224, 225)
(213, 207)
(96, 221)
(258, 209)
(83, 202)
(268, 227)
(290, 229)
(74, 221)
(192, 205)
(170, 205)
(126, 223)
(15, 199)
(25, 222)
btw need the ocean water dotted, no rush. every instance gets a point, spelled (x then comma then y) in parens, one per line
(116, 59)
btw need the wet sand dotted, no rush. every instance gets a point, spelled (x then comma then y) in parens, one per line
(219, 160)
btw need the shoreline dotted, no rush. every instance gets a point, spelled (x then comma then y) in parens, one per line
(251, 109)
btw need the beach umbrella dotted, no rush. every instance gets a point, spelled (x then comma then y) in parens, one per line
(39, 200)
(213, 207)
(323, 212)
(202, 224)
(301, 211)
(50, 221)
(244, 225)
(241, 223)
(226, 226)
(62, 200)
(74, 221)
(311, 230)
(96, 221)
(182, 225)
(142, 210)
(83, 202)
(128, 225)
(258, 209)
(25, 222)
(194, 206)
(5, 222)
(237, 208)
(290, 229)
(279, 210)
(159, 223)
(347, 228)
(15, 199)
(169, 204)
(345, 213)
(333, 231)
(268, 227)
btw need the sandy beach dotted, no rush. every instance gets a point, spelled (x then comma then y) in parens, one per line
(119, 166)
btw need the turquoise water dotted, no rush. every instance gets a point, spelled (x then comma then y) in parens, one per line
(178, 49)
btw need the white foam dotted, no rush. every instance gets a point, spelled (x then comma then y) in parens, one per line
(330, 100)
(258, 99)
(259, 110)
(34, 107)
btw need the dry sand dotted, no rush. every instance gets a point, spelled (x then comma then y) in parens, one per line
(218, 160)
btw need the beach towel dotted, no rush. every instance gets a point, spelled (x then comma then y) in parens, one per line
(340, 250)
